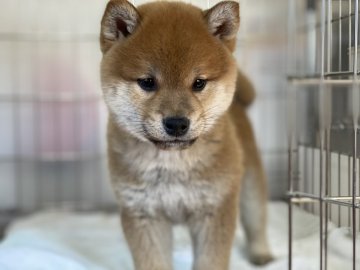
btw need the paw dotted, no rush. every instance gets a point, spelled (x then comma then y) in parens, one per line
(261, 258)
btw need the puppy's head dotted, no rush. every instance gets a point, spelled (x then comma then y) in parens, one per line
(167, 70)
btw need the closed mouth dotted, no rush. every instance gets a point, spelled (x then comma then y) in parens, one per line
(180, 144)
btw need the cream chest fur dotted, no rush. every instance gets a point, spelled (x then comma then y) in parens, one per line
(168, 183)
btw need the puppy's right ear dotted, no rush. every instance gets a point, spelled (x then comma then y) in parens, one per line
(119, 21)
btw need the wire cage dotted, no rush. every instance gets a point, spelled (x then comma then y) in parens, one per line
(323, 126)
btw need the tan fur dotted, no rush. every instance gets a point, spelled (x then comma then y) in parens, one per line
(197, 183)
(244, 93)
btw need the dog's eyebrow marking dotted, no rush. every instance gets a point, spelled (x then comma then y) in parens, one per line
(149, 71)
(204, 74)
(198, 71)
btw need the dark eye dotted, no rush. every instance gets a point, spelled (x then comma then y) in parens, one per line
(199, 84)
(147, 84)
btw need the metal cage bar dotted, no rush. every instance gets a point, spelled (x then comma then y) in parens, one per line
(330, 186)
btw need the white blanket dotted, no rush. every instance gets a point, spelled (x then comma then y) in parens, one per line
(72, 241)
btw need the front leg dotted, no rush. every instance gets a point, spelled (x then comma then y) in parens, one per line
(213, 235)
(150, 241)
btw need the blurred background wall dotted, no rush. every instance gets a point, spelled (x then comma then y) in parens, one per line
(52, 116)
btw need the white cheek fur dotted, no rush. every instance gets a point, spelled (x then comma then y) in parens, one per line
(127, 115)
(223, 98)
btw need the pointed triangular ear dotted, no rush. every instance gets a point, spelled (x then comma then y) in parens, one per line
(119, 21)
(223, 20)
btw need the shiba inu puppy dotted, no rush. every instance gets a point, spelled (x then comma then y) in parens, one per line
(181, 148)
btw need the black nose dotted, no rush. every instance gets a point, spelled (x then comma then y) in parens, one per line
(176, 126)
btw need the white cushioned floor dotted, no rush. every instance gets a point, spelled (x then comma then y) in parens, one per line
(72, 241)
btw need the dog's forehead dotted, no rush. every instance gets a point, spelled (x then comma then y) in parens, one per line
(172, 42)
(175, 38)
(171, 14)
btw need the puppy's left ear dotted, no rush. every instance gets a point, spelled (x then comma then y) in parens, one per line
(223, 21)
(120, 20)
